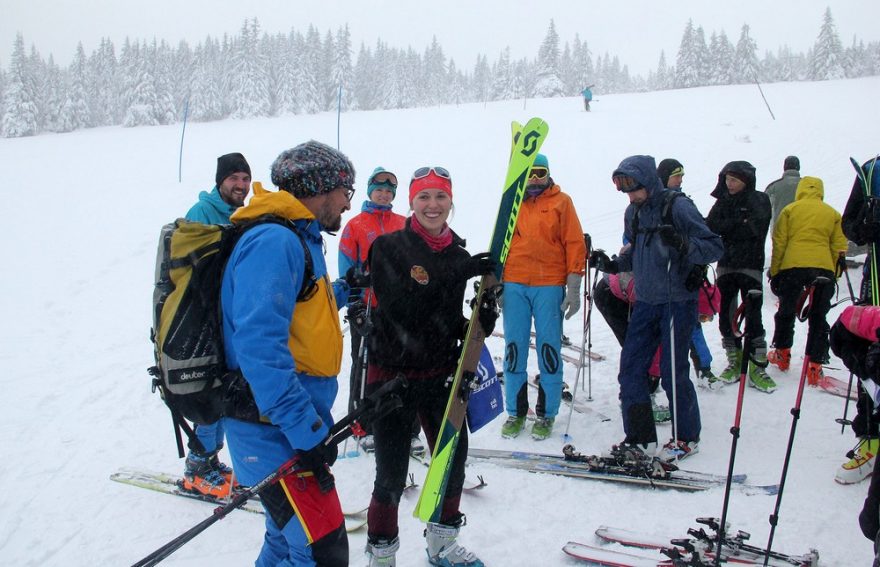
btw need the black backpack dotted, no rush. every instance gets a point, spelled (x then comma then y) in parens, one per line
(698, 273)
(187, 334)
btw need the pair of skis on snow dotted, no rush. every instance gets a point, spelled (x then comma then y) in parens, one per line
(620, 466)
(698, 549)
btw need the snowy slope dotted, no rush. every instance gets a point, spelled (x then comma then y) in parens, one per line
(82, 218)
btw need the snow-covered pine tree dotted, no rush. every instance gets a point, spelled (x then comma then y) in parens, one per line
(141, 94)
(827, 61)
(312, 96)
(745, 60)
(160, 58)
(19, 112)
(502, 78)
(547, 80)
(102, 86)
(687, 62)
(583, 65)
(249, 88)
(435, 74)
(721, 60)
(342, 70)
(481, 80)
(364, 80)
(75, 112)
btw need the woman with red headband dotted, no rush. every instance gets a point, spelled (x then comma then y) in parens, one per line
(419, 275)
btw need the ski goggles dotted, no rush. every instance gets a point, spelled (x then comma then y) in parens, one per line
(625, 183)
(385, 178)
(423, 172)
(539, 173)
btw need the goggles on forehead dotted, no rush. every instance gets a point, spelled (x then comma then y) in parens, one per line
(677, 171)
(539, 172)
(425, 171)
(384, 178)
(625, 183)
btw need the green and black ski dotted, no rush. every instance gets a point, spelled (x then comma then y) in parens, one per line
(526, 144)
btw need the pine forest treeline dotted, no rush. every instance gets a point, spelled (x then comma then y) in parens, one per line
(257, 74)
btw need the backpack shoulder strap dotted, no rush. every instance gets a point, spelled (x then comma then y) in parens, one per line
(310, 281)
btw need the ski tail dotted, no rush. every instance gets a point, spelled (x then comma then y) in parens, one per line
(527, 142)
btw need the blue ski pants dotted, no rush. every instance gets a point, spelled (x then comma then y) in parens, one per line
(522, 304)
(649, 327)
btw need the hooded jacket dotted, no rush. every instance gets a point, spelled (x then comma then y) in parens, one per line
(210, 209)
(742, 220)
(548, 243)
(373, 221)
(808, 232)
(288, 352)
(658, 281)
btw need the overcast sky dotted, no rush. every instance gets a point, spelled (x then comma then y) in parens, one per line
(635, 30)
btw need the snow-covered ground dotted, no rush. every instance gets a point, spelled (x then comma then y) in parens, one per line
(81, 226)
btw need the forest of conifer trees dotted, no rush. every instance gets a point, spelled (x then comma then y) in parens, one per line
(256, 74)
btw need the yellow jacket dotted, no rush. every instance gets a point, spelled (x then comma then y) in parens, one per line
(548, 243)
(807, 233)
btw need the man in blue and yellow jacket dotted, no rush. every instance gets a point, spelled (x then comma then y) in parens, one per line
(287, 343)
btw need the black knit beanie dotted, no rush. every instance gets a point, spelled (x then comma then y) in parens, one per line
(229, 164)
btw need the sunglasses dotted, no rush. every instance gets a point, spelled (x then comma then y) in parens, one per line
(385, 178)
(626, 184)
(425, 171)
(539, 172)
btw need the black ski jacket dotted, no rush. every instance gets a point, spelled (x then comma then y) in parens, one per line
(742, 220)
(418, 324)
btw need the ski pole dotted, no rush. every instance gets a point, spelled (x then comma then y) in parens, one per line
(841, 262)
(586, 343)
(795, 415)
(383, 401)
(735, 324)
(843, 421)
(672, 351)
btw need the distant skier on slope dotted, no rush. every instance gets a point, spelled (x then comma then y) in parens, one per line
(587, 93)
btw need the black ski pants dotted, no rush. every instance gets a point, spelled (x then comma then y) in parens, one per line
(789, 285)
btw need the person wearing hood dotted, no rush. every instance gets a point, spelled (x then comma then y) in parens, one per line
(542, 283)
(661, 258)
(232, 183)
(741, 216)
(807, 244)
(375, 219)
(203, 471)
(287, 345)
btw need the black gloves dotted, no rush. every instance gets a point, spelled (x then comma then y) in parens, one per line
(479, 265)
(600, 260)
(872, 362)
(356, 278)
(775, 286)
(869, 231)
(319, 459)
(488, 310)
(672, 238)
(358, 318)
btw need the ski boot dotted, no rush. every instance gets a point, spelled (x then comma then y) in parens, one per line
(758, 377)
(542, 428)
(513, 427)
(443, 549)
(200, 476)
(780, 357)
(416, 447)
(706, 379)
(678, 450)
(730, 375)
(382, 552)
(861, 464)
(223, 468)
(632, 451)
(814, 374)
(661, 413)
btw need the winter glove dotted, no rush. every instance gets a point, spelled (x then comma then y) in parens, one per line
(872, 363)
(673, 239)
(319, 459)
(355, 278)
(600, 260)
(775, 285)
(488, 310)
(572, 302)
(479, 265)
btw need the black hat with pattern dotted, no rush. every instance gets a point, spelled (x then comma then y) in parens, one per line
(311, 169)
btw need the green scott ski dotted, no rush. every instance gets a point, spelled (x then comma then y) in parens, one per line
(526, 144)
